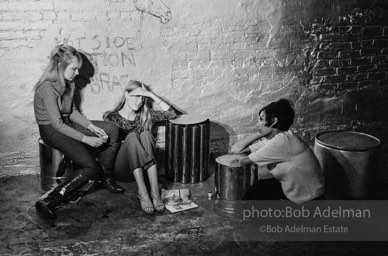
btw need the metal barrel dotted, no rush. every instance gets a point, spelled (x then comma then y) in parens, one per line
(177, 153)
(254, 174)
(349, 161)
(216, 179)
(204, 151)
(169, 151)
(185, 155)
(187, 151)
(194, 154)
(54, 166)
(232, 182)
(231, 185)
(167, 148)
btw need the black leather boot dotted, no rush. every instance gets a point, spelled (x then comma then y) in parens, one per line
(60, 194)
(46, 207)
(109, 183)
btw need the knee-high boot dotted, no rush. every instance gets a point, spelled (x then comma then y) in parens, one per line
(60, 194)
(106, 159)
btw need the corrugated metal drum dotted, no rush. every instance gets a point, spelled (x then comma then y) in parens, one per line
(187, 149)
(350, 162)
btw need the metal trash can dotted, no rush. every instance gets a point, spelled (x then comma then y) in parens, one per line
(349, 161)
(54, 166)
(232, 183)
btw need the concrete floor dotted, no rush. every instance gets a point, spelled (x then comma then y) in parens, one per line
(102, 223)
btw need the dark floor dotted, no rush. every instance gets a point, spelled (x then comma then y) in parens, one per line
(102, 223)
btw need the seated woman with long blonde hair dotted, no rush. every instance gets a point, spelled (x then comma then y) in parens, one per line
(134, 115)
(63, 127)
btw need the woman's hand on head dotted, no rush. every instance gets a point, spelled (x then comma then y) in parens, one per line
(141, 92)
(93, 141)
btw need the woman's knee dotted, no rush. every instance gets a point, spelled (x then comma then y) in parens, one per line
(147, 135)
(112, 131)
(132, 138)
(148, 143)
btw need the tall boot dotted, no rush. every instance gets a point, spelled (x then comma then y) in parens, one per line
(107, 158)
(60, 194)
(109, 183)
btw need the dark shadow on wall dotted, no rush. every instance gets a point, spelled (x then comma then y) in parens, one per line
(86, 72)
(220, 135)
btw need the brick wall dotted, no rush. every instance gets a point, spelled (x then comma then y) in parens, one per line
(221, 59)
(347, 66)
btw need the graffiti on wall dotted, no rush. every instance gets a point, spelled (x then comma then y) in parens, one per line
(112, 52)
(105, 53)
(154, 7)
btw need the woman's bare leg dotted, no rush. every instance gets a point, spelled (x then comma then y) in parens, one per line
(154, 184)
(144, 197)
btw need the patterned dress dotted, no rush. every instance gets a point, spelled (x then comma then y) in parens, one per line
(127, 126)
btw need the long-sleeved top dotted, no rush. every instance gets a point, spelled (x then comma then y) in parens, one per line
(126, 126)
(293, 163)
(52, 103)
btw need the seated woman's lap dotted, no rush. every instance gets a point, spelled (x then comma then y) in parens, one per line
(75, 150)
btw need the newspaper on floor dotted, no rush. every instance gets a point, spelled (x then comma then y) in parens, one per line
(177, 200)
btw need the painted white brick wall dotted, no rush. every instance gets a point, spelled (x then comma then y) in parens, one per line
(221, 59)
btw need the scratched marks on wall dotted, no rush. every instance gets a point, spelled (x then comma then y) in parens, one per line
(154, 7)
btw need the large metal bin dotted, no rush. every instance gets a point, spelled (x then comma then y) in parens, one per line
(54, 166)
(349, 161)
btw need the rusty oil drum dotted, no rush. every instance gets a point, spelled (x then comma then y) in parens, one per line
(349, 161)
(54, 166)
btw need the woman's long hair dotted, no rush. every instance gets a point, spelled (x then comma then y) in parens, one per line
(60, 58)
(143, 113)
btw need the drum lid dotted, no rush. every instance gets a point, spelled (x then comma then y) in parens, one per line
(227, 159)
(347, 140)
(189, 119)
